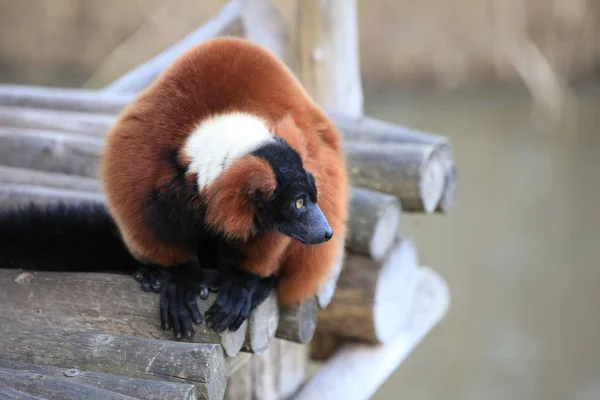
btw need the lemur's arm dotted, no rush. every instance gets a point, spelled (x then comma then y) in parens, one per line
(247, 280)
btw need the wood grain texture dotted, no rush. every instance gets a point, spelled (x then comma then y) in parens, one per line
(328, 54)
(50, 151)
(51, 388)
(298, 322)
(262, 325)
(32, 177)
(373, 223)
(107, 303)
(412, 172)
(202, 365)
(62, 121)
(65, 99)
(134, 387)
(12, 196)
(373, 299)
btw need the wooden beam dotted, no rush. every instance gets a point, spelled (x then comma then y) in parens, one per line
(373, 130)
(373, 223)
(50, 298)
(358, 370)
(60, 121)
(52, 388)
(65, 99)
(50, 151)
(373, 299)
(12, 196)
(140, 77)
(136, 388)
(412, 172)
(202, 365)
(32, 177)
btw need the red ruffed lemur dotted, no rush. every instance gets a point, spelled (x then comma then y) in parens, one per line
(223, 175)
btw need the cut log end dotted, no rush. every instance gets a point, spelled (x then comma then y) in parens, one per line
(262, 326)
(298, 322)
(432, 183)
(373, 298)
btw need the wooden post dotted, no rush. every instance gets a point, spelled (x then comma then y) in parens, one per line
(328, 54)
(329, 69)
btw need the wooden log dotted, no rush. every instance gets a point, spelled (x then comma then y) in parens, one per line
(373, 299)
(297, 323)
(51, 388)
(326, 41)
(292, 368)
(239, 385)
(262, 325)
(202, 365)
(237, 362)
(50, 298)
(7, 393)
(412, 172)
(263, 24)
(373, 223)
(359, 369)
(65, 99)
(140, 77)
(12, 196)
(61, 121)
(134, 387)
(50, 151)
(373, 130)
(31, 177)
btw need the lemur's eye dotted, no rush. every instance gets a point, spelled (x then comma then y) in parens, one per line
(299, 203)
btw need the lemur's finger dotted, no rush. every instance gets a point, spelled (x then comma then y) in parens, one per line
(174, 315)
(243, 315)
(164, 309)
(182, 312)
(192, 305)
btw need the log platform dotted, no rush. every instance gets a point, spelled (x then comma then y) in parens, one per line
(96, 336)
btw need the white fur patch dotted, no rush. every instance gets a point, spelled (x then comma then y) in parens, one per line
(220, 140)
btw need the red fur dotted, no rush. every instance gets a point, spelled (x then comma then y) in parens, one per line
(230, 207)
(227, 74)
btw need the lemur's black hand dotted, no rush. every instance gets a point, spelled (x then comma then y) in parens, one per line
(240, 292)
(178, 287)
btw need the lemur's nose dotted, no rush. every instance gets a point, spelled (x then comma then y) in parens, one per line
(328, 234)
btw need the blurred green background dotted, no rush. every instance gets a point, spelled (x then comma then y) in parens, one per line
(520, 248)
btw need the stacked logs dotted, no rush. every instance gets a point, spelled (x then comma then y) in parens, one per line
(50, 144)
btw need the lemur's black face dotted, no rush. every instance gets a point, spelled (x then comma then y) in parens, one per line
(295, 213)
(294, 210)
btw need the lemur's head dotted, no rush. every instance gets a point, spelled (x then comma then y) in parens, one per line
(253, 179)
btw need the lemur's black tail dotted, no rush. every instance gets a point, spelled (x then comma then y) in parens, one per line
(63, 238)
